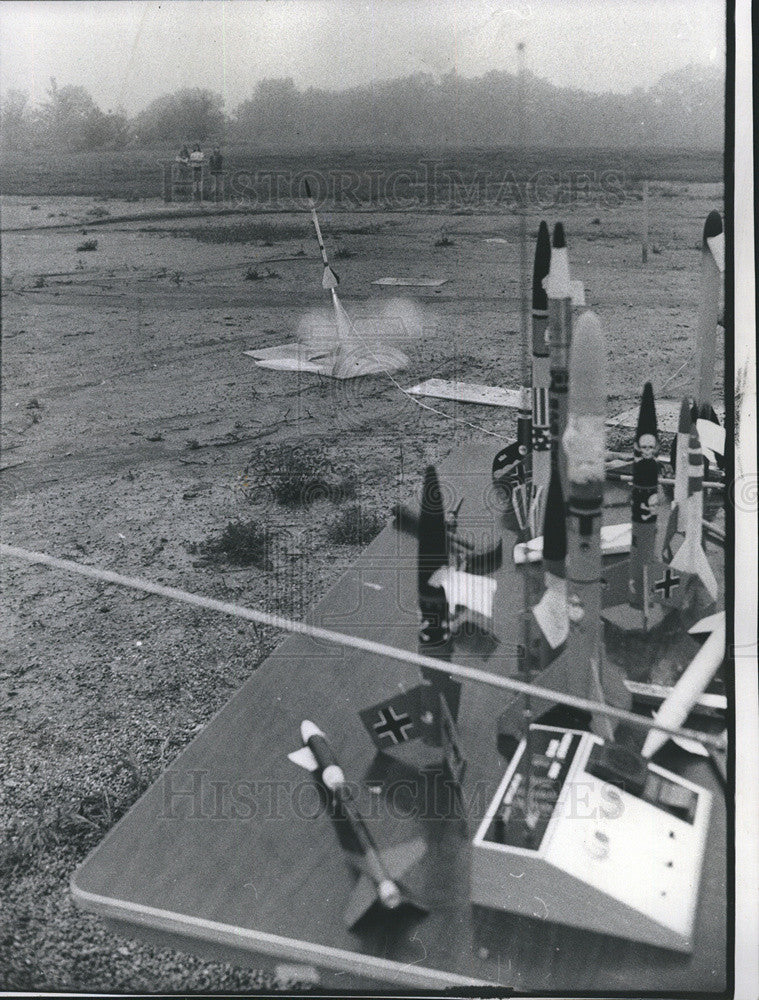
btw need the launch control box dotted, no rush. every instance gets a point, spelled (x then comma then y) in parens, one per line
(620, 857)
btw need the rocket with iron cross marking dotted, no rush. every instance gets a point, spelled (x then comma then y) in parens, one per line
(690, 557)
(379, 871)
(541, 382)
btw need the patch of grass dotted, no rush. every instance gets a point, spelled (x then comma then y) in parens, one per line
(354, 526)
(252, 274)
(296, 476)
(241, 543)
(71, 820)
(87, 245)
(342, 254)
(444, 241)
(98, 213)
(39, 281)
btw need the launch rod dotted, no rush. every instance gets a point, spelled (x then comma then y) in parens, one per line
(354, 641)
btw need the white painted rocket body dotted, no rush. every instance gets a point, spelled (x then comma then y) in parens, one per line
(684, 695)
(690, 557)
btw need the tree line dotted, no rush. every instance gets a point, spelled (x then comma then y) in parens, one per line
(685, 108)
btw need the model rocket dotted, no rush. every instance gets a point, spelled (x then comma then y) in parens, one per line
(677, 513)
(329, 279)
(541, 382)
(712, 267)
(551, 611)
(684, 695)
(584, 443)
(433, 556)
(644, 498)
(378, 870)
(559, 293)
(690, 557)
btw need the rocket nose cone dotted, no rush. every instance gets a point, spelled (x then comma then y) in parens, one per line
(587, 368)
(309, 729)
(647, 413)
(713, 225)
(541, 268)
(559, 239)
(684, 422)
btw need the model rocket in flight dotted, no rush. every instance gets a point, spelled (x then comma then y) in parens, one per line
(329, 279)
(379, 871)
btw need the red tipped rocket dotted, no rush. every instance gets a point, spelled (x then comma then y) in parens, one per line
(712, 266)
(378, 870)
(559, 292)
(645, 486)
(690, 557)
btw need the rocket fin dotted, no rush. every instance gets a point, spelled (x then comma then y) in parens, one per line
(707, 625)
(551, 615)
(362, 899)
(304, 758)
(693, 560)
(466, 590)
(400, 858)
(690, 746)
(329, 279)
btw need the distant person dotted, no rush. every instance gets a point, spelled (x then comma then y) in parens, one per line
(216, 167)
(183, 156)
(196, 161)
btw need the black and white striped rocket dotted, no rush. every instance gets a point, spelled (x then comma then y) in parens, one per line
(379, 871)
(541, 381)
(644, 496)
(559, 293)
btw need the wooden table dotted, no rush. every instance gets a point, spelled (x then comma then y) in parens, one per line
(229, 855)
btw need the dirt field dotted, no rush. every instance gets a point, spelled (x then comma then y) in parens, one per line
(135, 430)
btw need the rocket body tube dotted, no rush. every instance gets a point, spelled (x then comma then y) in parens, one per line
(541, 364)
(712, 265)
(333, 777)
(584, 444)
(684, 695)
(560, 337)
(644, 496)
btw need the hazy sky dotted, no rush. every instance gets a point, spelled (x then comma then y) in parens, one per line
(128, 52)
